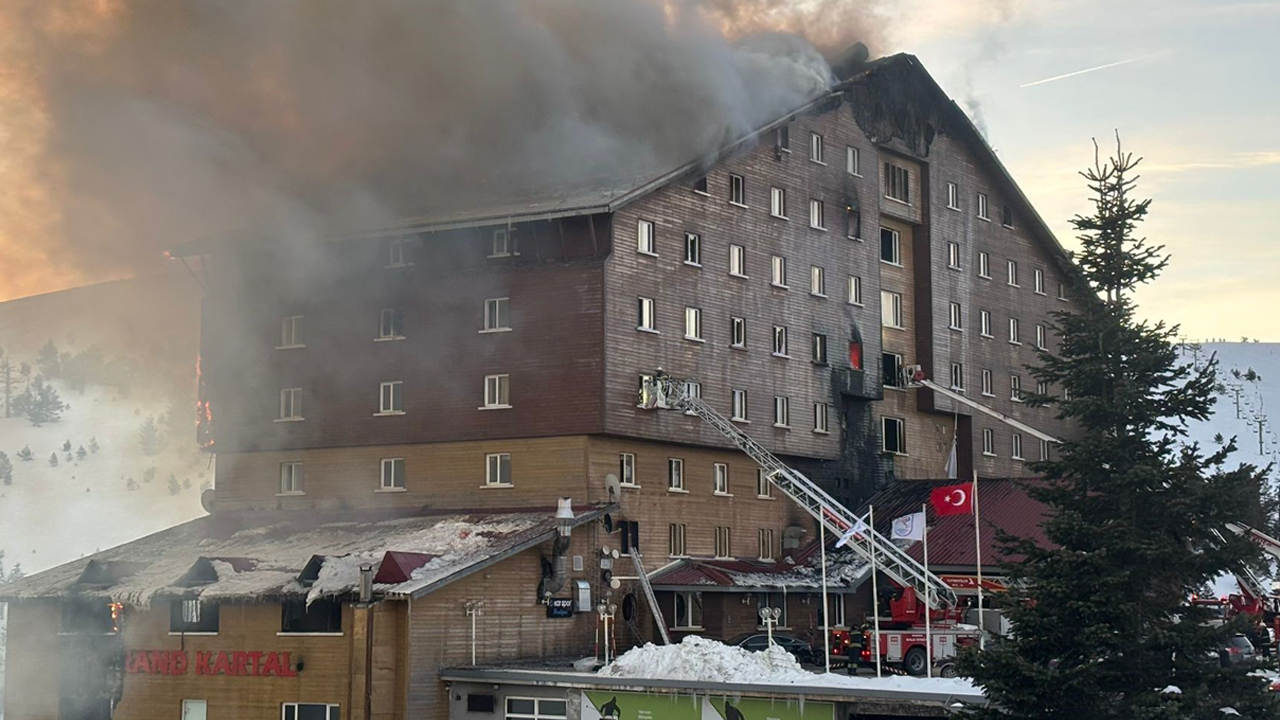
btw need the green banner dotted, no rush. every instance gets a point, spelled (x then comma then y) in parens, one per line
(640, 706)
(766, 709)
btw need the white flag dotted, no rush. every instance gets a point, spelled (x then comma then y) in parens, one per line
(908, 527)
(952, 463)
(859, 527)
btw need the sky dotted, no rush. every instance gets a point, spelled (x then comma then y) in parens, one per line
(1199, 103)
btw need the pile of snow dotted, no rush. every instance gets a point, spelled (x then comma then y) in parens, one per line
(698, 659)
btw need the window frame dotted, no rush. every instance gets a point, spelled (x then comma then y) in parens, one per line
(393, 391)
(984, 317)
(853, 224)
(822, 418)
(692, 601)
(494, 466)
(1013, 274)
(1015, 388)
(892, 379)
(537, 714)
(988, 383)
(646, 238)
(737, 332)
(897, 179)
(762, 483)
(900, 435)
(692, 249)
(853, 161)
(290, 408)
(204, 621)
(395, 253)
(290, 335)
(1042, 337)
(390, 324)
(817, 281)
(778, 203)
(675, 475)
(693, 324)
(297, 477)
(1015, 331)
(737, 190)
(953, 196)
(496, 315)
(496, 386)
(393, 463)
(677, 540)
(780, 345)
(330, 709)
(502, 243)
(953, 255)
(955, 320)
(1038, 274)
(723, 545)
(646, 315)
(988, 442)
(1015, 445)
(778, 272)
(820, 349)
(817, 214)
(957, 377)
(766, 540)
(782, 412)
(737, 260)
(817, 148)
(740, 407)
(627, 469)
(720, 479)
(894, 247)
(891, 301)
(984, 264)
(983, 209)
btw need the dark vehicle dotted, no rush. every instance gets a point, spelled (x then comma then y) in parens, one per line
(756, 642)
(1238, 651)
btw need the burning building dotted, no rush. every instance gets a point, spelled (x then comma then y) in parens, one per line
(399, 409)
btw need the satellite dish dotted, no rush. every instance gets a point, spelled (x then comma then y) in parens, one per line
(206, 500)
(613, 487)
(615, 583)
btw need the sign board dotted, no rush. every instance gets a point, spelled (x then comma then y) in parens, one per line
(254, 663)
(610, 705)
(560, 608)
(970, 582)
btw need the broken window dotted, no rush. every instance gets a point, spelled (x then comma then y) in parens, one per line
(193, 616)
(323, 615)
(894, 435)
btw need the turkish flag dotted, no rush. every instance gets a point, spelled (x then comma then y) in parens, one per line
(952, 499)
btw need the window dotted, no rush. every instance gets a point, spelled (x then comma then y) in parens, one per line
(644, 237)
(497, 469)
(195, 709)
(779, 271)
(1017, 446)
(778, 202)
(1040, 337)
(891, 369)
(675, 474)
(821, 417)
(737, 190)
(497, 314)
(676, 546)
(764, 539)
(391, 324)
(497, 391)
(890, 246)
(764, 488)
(852, 161)
(391, 398)
(855, 354)
(646, 320)
(782, 136)
(291, 332)
(894, 435)
(816, 153)
(819, 349)
(310, 711)
(693, 323)
(817, 281)
(1042, 388)
(1006, 216)
(291, 404)
(897, 183)
(739, 405)
(953, 196)
(982, 206)
(688, 610)
(1044, 450)
(988, 442)
(532, 709)
(780, 340)
(692, 249)
(817, 215)
(1014, 335)
(1062, 291)
(291, 478)
(630, 539)
(984, 265)
(644, 392)
(627, 469)
(985, 319)
(1015, 388)
(193, 616)
(1039, 279)
(721, 473)
(693, 390)
(392, 474)
(853, 224)
(396, 253)
(956, 318)
(957, 377)
(781, 412)
(855, 290)
(890, 309)
(737, 261)
(835, 607)
(737, 332)
(323, 615)
(503, 243)
(723, 547)
(1013, 273)
(987, 388)
(953, 255)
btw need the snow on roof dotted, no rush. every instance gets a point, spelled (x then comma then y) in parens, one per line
(844, 569)
(699, 659)
(265, 558)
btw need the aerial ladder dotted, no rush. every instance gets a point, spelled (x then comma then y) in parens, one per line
(664, 392)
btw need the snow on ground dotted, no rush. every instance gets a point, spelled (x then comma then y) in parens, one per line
(698, 659)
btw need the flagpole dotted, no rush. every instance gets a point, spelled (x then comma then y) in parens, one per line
(977, 535)
(875, 591)
(826, 619)
(928, 610)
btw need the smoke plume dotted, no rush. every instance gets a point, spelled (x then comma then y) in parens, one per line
(133, 125)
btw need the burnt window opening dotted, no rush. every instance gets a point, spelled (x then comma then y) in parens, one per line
(91, 617)
(630, 536)
(1006, 216)
(321, 616)
(891, 369)
(783, 138)
(855, 354)
(853, 223)
(700, 185)
(193, 616)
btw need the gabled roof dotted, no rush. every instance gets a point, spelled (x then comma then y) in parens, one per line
(800, 571)
(245, 558)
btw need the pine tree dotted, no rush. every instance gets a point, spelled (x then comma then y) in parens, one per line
(7, 383)
(42, 403)
(1137, 519)
(81, 453)
(93, 444)
(66, 445)
(149, 437)
(6, 469)
(48, 360)
(174, 486)
(25, 454)
(53, 460)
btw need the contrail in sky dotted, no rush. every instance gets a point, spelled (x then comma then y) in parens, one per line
(1089, 70)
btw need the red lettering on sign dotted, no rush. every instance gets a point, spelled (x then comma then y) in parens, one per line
(272, 665)
(136, 662)
(159, 664)
(178, 663)
(202, 662)
(255, 662)
(286, 667)
(222, 665)
(239, 658)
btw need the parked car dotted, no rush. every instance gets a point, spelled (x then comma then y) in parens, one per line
(1237, 651)
(800, 649)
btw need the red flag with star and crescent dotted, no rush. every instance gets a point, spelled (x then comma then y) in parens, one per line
(952, 499)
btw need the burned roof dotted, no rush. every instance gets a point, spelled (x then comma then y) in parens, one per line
(800, 571)
(257, 556)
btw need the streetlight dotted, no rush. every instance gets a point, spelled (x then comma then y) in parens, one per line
(770, 617)
(606, 611)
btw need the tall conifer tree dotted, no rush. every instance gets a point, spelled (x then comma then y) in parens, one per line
(1103, 623)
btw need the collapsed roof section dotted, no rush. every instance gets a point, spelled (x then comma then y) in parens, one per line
(802, 571)
(296, 555)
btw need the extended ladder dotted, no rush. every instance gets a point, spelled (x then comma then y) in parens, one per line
(649, 596)
(667, 393)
